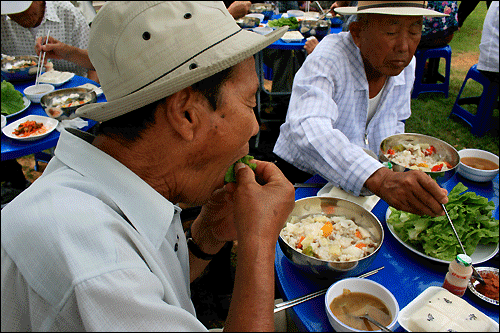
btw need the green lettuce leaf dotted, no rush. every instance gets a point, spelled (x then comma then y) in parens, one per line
(230, 176)
(12, 100)
(472, 216)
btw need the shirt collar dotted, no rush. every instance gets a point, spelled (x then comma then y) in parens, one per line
(50, 12)
(149, 212)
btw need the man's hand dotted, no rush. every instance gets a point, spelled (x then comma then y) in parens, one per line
(238, 9)
(56, 49)
(311, 43)
(411, 191)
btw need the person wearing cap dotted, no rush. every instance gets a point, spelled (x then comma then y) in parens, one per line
(25, 21)
(352, 92)
(96, 243)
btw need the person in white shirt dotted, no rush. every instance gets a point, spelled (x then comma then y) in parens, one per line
(96, 243)
(489, 46)
(20, 30)
(351, 93)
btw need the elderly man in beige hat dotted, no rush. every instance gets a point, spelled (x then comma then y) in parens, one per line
(96, 243)
(352, 92)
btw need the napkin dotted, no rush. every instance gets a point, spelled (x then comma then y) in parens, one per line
(367, 202)
(71, 123)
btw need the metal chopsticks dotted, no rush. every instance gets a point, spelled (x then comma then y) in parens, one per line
(287, 304)
(40, 63)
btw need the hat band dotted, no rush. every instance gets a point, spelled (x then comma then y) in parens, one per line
(182, 64)
(392, 4)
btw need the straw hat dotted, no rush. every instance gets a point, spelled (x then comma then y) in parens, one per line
(14, 7)
(406, 8)
(144, 51)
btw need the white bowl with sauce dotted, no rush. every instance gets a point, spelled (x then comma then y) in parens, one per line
(355, 306)
(477, 165)
(35, 92)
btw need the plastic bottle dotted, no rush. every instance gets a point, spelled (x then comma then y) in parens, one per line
(458, 276)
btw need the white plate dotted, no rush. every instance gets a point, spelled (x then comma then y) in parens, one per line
(56, 78)
(96, 89)
(27, 103)
(483, 252)
(367, 202)
(50, 123)
(406, 313)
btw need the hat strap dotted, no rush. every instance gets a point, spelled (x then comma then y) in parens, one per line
(392, 4)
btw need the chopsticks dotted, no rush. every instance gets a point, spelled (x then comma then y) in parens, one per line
(40, 63)
(288, 304)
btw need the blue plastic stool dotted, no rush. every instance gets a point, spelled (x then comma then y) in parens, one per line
(422, 56)
(482, 121)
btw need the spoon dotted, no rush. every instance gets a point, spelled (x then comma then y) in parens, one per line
(475, 274)
(373, 321)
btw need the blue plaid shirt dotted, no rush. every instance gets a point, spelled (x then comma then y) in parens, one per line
(326, 124)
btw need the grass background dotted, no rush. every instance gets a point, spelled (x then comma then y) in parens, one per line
(430, 111)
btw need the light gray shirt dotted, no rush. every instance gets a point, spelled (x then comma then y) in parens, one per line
(91, 246)
(326, 125)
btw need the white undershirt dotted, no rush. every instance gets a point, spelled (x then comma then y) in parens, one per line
(373, 103)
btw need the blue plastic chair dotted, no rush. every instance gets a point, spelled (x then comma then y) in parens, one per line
(482, 121)
(422, 56)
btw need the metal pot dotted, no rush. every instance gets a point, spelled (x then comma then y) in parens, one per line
(324, 269)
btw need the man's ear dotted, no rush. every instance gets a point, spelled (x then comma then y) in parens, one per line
(182, 112)
(355, 29)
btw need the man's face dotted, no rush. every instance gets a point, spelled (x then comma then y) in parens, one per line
(31, 17)
(388, 42)
(232, 124)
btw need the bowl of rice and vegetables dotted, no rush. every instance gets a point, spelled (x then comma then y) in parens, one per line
(331, 237)
(410, 151)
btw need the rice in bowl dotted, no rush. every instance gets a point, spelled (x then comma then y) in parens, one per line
(335, 238)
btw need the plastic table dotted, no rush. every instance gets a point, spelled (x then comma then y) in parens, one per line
(405, 273)
(12, 149)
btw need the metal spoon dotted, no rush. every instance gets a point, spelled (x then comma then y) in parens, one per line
(373, 321)
(475, 274)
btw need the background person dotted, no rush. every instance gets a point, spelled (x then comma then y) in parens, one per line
(119, 259)
(66, 23)
(352, 92)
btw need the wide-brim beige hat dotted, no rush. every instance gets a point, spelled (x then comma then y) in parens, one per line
(144, 51)
(14, 7)
(405, 8)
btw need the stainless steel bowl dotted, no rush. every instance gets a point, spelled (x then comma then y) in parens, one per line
(443, 149)
(20, 74)
(325, 269)
(248, 22)
(313, 27)
(263, 8)
(52, 108)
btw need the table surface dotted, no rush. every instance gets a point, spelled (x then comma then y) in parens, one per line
(13, 148)
(405, 273)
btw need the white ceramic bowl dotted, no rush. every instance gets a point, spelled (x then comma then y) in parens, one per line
(262, 30)
(295, 13)
(34, 93)
(363, 286)
(259, 16)
(477, 175)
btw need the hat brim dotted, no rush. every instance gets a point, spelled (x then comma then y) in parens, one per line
(403, 11)
(237, 48)
(14, 7)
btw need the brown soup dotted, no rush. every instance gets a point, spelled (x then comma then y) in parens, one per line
(349, 305)
(479, 163)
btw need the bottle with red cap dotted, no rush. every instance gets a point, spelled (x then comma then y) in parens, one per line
(458, 276)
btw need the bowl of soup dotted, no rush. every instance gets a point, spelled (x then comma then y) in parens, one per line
(478, 165)
(347, 299)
